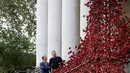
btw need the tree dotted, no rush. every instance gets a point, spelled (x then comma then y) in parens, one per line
(106, 46)
(17, 34)
(19, 15)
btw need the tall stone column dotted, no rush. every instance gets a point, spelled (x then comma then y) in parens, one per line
(41, 32)
(54, 26)
(70, 26)
(84, 11)
(125, 6)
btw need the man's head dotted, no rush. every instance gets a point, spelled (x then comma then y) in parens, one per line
(44, 58)
(54, 53)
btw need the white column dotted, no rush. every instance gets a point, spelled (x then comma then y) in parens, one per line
(126, 68)
(125, 6)
(129, 67)
(70, 25)
(54, 26)
(84, 11)
(41, 35)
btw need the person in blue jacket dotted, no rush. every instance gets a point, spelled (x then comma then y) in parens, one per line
(44, 65)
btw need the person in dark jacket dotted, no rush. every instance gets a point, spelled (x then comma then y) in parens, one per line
(44, 65)
(55, 61)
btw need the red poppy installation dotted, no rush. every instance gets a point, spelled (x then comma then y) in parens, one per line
(106, 46)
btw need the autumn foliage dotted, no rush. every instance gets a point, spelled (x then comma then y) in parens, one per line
(106, 46)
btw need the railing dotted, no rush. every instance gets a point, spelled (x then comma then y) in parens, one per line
(28, 70)
(36, 70)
